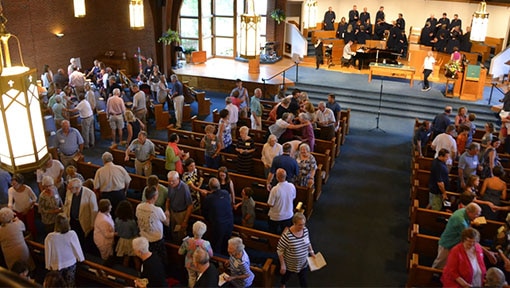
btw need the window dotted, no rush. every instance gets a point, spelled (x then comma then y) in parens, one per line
(215, 27)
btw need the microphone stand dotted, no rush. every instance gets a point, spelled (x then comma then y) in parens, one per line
(379, 109)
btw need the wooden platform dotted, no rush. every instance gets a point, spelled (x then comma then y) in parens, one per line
(219, 74)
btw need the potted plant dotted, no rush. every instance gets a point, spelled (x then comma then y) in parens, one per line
(452, 68)
(187, 51)
(278, 15)
(169, 37)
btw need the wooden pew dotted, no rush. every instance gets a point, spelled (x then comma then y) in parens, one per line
(88, 269)
(259, 136)
(162, 117)
(422, 276)
(422, 244)
(104, 127)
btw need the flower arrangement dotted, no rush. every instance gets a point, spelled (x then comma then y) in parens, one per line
(169, 37)
(452, 68)
(278, 15)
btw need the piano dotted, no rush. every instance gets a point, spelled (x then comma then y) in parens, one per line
(365, 56)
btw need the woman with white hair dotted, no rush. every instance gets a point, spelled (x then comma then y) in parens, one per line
(239, 264)
(307, 134)
(50, 203)
(307, 166)
(270, 150)
(12, 241)
(188, 247)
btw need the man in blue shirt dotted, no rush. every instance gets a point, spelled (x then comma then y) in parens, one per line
(287, 163)
(441, 121)
(335, 107)
(5, 181)
(178, 98)
(179, 205)
(69, 144)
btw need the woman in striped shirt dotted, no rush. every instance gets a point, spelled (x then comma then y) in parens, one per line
(293, 249)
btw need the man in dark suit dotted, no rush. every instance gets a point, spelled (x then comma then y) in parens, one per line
(353, 15)
(207, 273)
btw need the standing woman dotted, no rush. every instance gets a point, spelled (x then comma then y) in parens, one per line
(174, 155)
(307, 133)
(239, 264)
(465, 266)
(493, 190)
(428, 66)
(62, 250)
(212, 144)
(47, 76)
(307, 166)
(226, 183)
(225, 131)
(133, 125)
(490, 158)
(12, 241)
(154, 81)
(163, 92)
(293, 249)
(194, 180)
(245, 148)
(188, 247)
(270, 150)
(50, 204)
(22, 200)
(461, 117)
(104, 229)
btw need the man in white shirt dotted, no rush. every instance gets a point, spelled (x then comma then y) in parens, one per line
(326, 121)
(87, 121)
(446, 141)
(348, 53)
(233, 115)
(281, 203)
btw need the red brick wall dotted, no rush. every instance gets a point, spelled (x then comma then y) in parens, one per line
(105, 27)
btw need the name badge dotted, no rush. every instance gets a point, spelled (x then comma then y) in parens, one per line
(306, 240)
(247, 144)
(62, 141)
(213, 142)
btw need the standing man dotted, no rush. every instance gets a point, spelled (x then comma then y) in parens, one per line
(379, 16)
(233, 115)
(111, 181)
(152, 265)
(217, 210)
(319, 55)
(178, 205)
(115, 109)
(243, 100)
(150, 222)
(441, 121)
(80, 207)
(401, 23)
(286, 162)
(446, 141)
(335, 107)
(455, 22)
(427, 67)
(294, 102)
(329, 20)
(147, 70)
(353, 15)
(144, 152)
(451, 236)
(87, 120)
(326, 121)
(256, 110)
(207, 273)
(77, 79)
(69, 143)
(439, 181)
(468, 165)
(281, 203)
(139, 103)
(364, 16)
(178, 97)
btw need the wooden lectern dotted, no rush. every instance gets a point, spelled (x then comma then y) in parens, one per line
(473, 82)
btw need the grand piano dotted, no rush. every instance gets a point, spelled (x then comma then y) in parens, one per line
(365, 56)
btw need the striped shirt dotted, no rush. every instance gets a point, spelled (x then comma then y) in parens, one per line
(294, 250)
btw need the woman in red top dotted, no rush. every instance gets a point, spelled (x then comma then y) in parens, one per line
(465, 266)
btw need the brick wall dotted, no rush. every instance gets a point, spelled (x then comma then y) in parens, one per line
(105, 27)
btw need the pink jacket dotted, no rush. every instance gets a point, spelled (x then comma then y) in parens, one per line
(458, 264)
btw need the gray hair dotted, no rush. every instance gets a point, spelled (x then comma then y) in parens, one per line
(298, 216)
(200, 256)
(116, 91)
(173, 175)
(495, 278)
(58, 99)
(47, 181)
(107, 157)
(228, 100)
(199, 229)
(6, 215)
(141, 244)
(322, 104)
(73, 182)
(307, 147)
(271, 137)
(237, 243)
(244, 128)
(173, 77)
(214, 184)
(304, 116)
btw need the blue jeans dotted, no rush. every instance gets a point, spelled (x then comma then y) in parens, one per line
(213, 163)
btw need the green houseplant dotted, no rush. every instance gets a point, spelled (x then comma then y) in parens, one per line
(187, 51)
(169, 37)
(278, 15)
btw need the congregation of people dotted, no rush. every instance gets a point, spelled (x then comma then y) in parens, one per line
(467, 178)
(94, 215)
